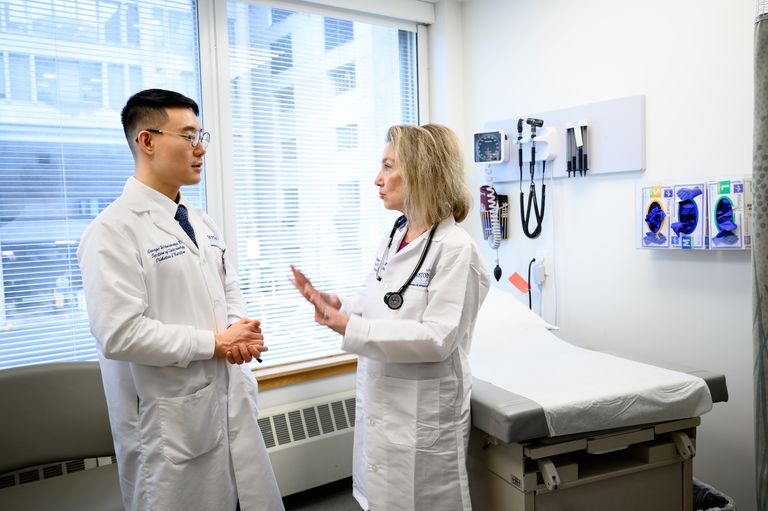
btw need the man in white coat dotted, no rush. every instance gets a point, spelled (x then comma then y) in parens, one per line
(167, 312)
(412, 329)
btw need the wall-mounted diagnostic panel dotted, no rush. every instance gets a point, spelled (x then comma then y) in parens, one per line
(615, 143)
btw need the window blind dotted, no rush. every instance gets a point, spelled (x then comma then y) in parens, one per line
(312, 97)
(66, 69)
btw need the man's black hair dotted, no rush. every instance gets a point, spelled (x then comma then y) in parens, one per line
(148, 106)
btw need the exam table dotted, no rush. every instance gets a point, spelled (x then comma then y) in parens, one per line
(557, 427)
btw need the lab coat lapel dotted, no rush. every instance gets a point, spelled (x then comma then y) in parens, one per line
(392, 252)
(142, 199)
(169, 224)
(417, 244)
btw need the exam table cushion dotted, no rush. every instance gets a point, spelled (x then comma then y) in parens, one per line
(502, 312)
(511, 417)
(578, 389)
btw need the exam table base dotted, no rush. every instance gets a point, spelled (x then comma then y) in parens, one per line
(637, 469)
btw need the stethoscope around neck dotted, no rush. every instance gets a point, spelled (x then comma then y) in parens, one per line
(394, 299)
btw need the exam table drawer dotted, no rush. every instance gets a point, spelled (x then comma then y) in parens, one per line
(595, 472)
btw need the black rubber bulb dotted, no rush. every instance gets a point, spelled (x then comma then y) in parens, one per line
(497, 272)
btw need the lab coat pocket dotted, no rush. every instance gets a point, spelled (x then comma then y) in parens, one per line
(412, 415)
(190, 426)
(414, 302)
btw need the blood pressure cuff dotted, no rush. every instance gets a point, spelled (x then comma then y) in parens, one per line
(724, 222)
(654, 218)
(687, 211)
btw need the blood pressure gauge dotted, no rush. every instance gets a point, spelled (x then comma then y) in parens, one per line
(491, 147)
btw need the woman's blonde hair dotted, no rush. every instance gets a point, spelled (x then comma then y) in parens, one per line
(432, 165)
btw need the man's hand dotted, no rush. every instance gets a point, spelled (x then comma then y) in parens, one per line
(241, 342)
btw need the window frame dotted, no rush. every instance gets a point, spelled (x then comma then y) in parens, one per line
(219, 183)
(218, 187)
(282, 375)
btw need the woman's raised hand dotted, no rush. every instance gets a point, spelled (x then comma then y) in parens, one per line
(305, 287)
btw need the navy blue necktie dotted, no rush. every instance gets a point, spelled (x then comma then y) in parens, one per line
(183, 219)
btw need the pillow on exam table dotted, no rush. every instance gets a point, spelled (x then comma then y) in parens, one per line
(502, 316)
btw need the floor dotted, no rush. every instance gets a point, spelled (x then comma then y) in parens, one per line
(336, 496)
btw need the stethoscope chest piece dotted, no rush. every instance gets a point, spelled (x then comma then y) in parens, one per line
(394, 300)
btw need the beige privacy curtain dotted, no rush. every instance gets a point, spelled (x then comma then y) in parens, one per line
(760, 254)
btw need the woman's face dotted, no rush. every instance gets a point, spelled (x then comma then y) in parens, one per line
(390, 181)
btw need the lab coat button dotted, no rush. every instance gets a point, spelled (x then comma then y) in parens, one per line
(371, 422)
(374, 468)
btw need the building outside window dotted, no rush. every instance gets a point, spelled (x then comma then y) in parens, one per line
(337, 32)
(305, 159)
(21, 82)
(346, 137)
(278, 15)
(304, 155)
(282, 54)
(63, 156)
(344, 78)
(2, 75)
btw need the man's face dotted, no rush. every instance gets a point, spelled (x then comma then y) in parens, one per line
(175, 162)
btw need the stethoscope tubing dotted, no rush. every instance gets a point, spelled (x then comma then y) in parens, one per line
(394, 299)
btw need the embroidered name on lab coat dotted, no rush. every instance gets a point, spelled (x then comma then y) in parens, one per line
(214, 241)
(422, 278)
(167, 251)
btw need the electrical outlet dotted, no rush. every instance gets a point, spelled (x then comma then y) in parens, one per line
(540, 270)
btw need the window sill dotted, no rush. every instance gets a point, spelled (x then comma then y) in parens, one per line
(307, 370)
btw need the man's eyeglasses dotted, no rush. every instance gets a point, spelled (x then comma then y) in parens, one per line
(198, 137)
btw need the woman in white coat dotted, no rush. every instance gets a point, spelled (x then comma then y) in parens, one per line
(412, 327)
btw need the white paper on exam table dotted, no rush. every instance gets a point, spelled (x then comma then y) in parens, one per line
(579, 389)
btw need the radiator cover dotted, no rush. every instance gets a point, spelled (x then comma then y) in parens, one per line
(310, 442)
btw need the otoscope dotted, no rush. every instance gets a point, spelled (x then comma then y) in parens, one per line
(533, 123)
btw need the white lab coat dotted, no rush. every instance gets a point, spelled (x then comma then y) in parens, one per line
(184, 424)
(413, 379)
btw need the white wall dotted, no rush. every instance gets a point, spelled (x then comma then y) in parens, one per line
(693, 62)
